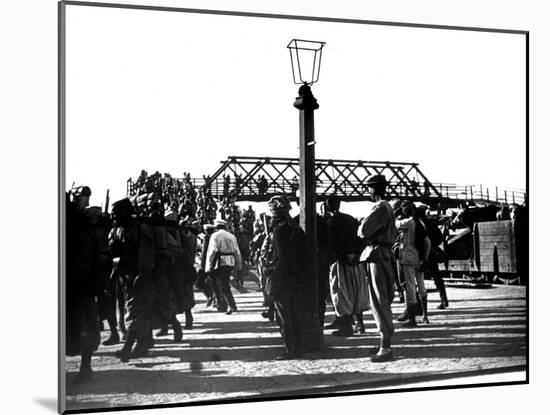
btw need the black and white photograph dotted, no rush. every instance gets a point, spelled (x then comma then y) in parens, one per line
(279, 206)
(262, 206)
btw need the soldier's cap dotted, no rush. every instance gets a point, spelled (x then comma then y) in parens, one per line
(93, 213)
(279, 204)
(376, 179)
(82, 191)
(407, 204)
(170, 216)
(332, 203)
(194, 226)
(219, 223)
(123, 207)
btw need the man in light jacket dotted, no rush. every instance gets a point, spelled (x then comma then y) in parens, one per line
(378, 228)
(222, 258)
(411, 259)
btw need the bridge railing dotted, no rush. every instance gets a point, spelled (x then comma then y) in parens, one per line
(472, 193)
(355, 188)
(481, 193)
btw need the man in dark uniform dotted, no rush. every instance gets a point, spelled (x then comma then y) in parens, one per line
(137, 261)
(204, 281)
(432, 266)
(344, 250)
(323, 267)
(86, 260)
(283, 281)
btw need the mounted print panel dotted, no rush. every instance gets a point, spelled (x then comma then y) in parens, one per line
(262, 206)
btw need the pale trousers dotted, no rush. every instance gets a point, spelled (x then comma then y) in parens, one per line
(414, 279)
(381, 279)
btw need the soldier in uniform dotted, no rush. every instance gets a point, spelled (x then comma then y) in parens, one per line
(204, 280)
(174, 273)
(87, 270)
(137, 262)
(378, 228)
(286, 273)
(344, 250)
(189, 230)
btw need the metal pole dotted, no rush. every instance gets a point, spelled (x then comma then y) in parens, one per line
(312, 335)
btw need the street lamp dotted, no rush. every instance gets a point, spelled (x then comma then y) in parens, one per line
(305, 57)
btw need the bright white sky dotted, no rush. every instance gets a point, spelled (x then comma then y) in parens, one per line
(179, 92)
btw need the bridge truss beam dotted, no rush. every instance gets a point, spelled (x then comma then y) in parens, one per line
(346, 178)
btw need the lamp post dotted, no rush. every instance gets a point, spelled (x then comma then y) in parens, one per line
(306, 54)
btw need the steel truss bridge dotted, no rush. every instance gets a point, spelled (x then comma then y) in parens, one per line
(257, 179)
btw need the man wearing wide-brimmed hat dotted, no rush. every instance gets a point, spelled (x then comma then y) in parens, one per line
(378, 228)
(222, 258)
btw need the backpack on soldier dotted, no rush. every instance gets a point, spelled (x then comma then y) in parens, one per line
(265, 256)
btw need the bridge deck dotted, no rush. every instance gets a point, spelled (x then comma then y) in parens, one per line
(257, 179)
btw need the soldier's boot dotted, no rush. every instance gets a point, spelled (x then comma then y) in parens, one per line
(126, 351)
(424, 302)
(404, 316)
(336, 324)
(163, 331)
(113, 338)
(410, 316)
(143, 345)
(85, 372)
(443, 295)
(188, 320)
(149, 341)
(346, 328)
(359, 324)
(176, 326)
(418, 306)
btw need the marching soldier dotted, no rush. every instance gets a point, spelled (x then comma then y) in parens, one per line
(137, 261)
(87, 272)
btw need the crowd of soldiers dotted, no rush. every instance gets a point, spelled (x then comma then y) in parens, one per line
(145, 258)
(361, 264)
(139, 261)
